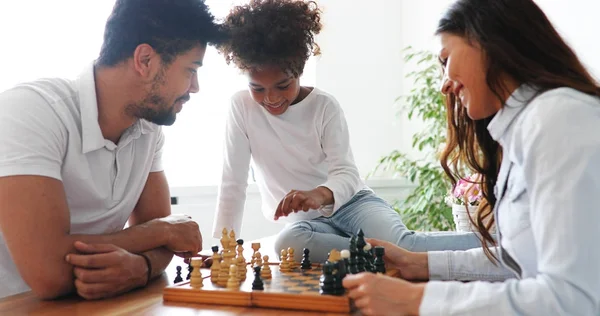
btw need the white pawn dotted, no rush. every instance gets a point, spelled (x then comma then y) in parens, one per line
(284, 266)
(265, 272)
(196, 277)
(233, 283)
(258, 260)
(241, 263)
(215, 268)
(290, 258)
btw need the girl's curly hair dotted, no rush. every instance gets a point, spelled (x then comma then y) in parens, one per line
(272, 32)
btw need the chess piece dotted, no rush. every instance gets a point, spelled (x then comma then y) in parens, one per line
(368, 253)
(305, 264)
(225, 266)
(232, 240)
(196, 278)
(241, 268)
(352, 261)
(258, 259)
(233, 283)
(290, 257)
(224, 240)
(178, 276)
(257, 284)
(240, 249)
(265, 272)
(378, 263)
(190, 268)
(255, 247)
(343, 263)
(215, 268)
(327, 280)
(284, 266)
(360, 255)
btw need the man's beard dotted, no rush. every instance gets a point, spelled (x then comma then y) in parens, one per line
(154, 108)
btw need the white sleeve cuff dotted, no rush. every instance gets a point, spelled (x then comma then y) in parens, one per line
(439, 265)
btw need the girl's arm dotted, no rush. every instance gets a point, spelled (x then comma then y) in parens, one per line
(234, 180)
(343, 178)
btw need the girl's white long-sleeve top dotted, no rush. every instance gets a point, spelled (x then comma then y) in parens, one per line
(305, 147)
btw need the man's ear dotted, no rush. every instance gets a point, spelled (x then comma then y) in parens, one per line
(146, 62)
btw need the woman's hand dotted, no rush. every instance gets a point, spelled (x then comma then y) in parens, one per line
(405, 264)
(378, 294)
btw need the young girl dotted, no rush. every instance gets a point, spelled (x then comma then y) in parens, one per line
(518, 92)
(297, 138)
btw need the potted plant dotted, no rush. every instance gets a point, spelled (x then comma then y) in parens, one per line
(425, 207)
(465, 199)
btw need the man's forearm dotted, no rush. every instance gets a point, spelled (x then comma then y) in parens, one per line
(135, 239)
(159, 260)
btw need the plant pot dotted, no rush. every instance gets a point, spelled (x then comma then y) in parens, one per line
(461, 218)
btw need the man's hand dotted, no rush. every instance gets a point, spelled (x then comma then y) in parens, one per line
(377, 294)
(183, 235)
(105, 270)
(296, 201)
(408, 265)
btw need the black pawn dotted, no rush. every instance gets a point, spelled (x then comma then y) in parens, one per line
(327, 280)
(342, 268)
(178, 277)
(257, 284)
(352, 261)
(378, 263)
(214, 249)
(240, 242)
(305, 263)
(190, 268)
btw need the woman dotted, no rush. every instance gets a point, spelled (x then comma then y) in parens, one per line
(517, 94)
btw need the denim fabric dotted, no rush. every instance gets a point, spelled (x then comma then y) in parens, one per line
(376, 218)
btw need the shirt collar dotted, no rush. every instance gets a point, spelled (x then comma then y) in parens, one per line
(511, 109)
(91, 134)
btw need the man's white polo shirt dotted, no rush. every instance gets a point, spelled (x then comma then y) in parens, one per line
(50, 128)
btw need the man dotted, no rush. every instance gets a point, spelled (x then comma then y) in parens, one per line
(78, 159)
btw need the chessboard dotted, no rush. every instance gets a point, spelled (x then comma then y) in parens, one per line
(296, 290)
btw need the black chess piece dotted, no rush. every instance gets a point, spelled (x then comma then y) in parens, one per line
(327, 280)
(305, 264)
(338, 276)
(258, 283)
(178, 277)
(378, 263)
(352, 261)
(369, 260)
(240, 242)
(214, 249)
(342, 268)
(360, 252)
(190, 268)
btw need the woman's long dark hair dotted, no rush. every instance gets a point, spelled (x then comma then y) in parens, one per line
(517, 41)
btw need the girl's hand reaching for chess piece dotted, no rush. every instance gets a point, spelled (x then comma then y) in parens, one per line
(105, 270)
(406, 264)
(296, 201)
(378, 294)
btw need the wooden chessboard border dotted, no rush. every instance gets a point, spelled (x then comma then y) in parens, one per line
(181, 292)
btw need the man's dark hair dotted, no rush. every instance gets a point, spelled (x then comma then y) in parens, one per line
(170, 27)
